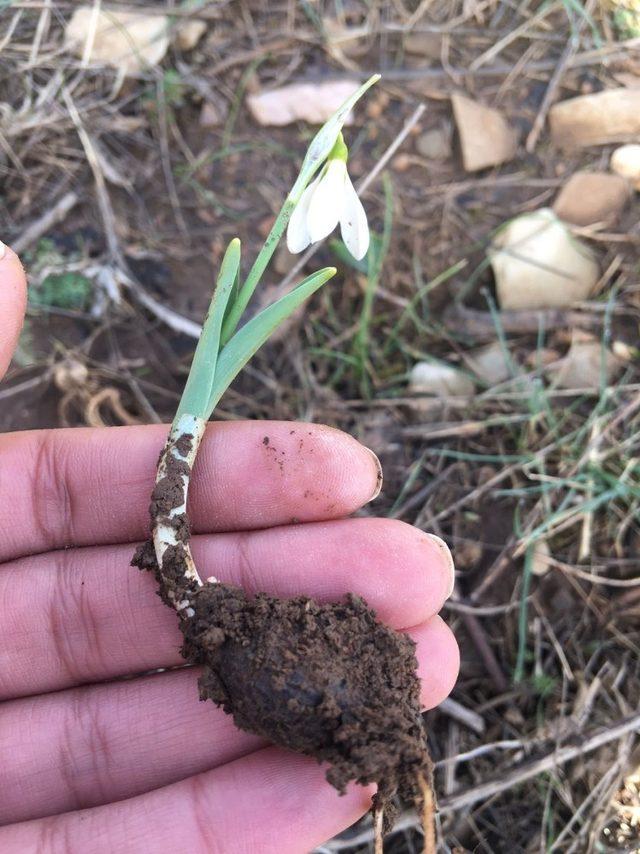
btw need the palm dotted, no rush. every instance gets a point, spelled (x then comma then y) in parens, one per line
(94, 762)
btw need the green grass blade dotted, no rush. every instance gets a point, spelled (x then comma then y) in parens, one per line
(198, 388)
(235, 355)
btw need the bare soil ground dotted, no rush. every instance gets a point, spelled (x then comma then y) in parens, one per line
(538, 751)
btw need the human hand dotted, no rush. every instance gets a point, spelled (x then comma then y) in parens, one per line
(91, 762)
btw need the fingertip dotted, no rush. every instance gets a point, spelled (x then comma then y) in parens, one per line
(438, 660)
(13, 302)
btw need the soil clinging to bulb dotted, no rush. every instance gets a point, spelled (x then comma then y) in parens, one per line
(326, 680)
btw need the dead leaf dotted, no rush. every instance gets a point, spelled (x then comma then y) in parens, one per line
(537, 263)
(308, 102)
(129, 41)
(486, 138)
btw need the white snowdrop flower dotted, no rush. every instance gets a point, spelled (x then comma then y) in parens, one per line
(330, 199)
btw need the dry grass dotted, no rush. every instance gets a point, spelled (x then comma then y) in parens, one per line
(138, 200)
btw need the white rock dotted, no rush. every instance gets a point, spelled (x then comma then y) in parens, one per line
(434, 144)
(489, 363)
(537, 263)
(439, 379)
(541, 558)
(486, 138)
(308, 102)
(129, 41)
(625, 161)
(584, 364)
(189, 33)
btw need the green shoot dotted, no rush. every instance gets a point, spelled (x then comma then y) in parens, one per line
(197, 390)
(255, 332)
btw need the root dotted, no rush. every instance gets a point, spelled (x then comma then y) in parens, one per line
(378, 821)
(428, 815)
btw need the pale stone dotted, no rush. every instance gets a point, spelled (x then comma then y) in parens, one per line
(128, 41)
(537, 263)
(439, 379)
(210, 115)
(625, 161)
(486, 138)
(590, 197)
(309, 102)
(489, 363)
(189, 33)
(585, 363)
(598, 119)
(434, 144)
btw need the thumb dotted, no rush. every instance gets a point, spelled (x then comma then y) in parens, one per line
(13, 303)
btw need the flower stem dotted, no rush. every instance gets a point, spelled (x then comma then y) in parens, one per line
(174, 472)
(258, 268)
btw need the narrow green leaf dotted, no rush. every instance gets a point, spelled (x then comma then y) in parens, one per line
(235, 291)
(198, 388)
(235, 355)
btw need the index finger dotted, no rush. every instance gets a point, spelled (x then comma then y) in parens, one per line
(79, 487)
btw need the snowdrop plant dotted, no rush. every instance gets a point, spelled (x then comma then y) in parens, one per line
(314, 207)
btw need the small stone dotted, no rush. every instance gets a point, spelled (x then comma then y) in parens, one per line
(210, 116)
(401, 163)
(426, 45)
(434, 144)
(489, 363)
(486, 138)
(598, 119)
(590, 197)
(310, 102)
(128, 41)
(189, 33)
(625, 161)
(440, 379)
(538, 263)
(541, 558)
(586, 363)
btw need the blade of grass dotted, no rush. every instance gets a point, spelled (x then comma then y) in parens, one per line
(199, 385)
(253, 334)
(518, 673)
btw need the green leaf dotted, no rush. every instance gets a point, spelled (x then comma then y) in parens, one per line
(235, 355)
(233, 297)
(198, 388)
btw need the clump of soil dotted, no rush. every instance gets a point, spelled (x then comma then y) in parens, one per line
(325, 680)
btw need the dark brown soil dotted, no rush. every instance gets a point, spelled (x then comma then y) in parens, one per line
(326, 680)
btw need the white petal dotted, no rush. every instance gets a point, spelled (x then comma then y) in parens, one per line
(327, 202)
(353, 222)
(298, 237)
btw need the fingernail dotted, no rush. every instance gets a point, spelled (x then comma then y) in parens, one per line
(448, 557)
(3, 250)
(379, 478)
